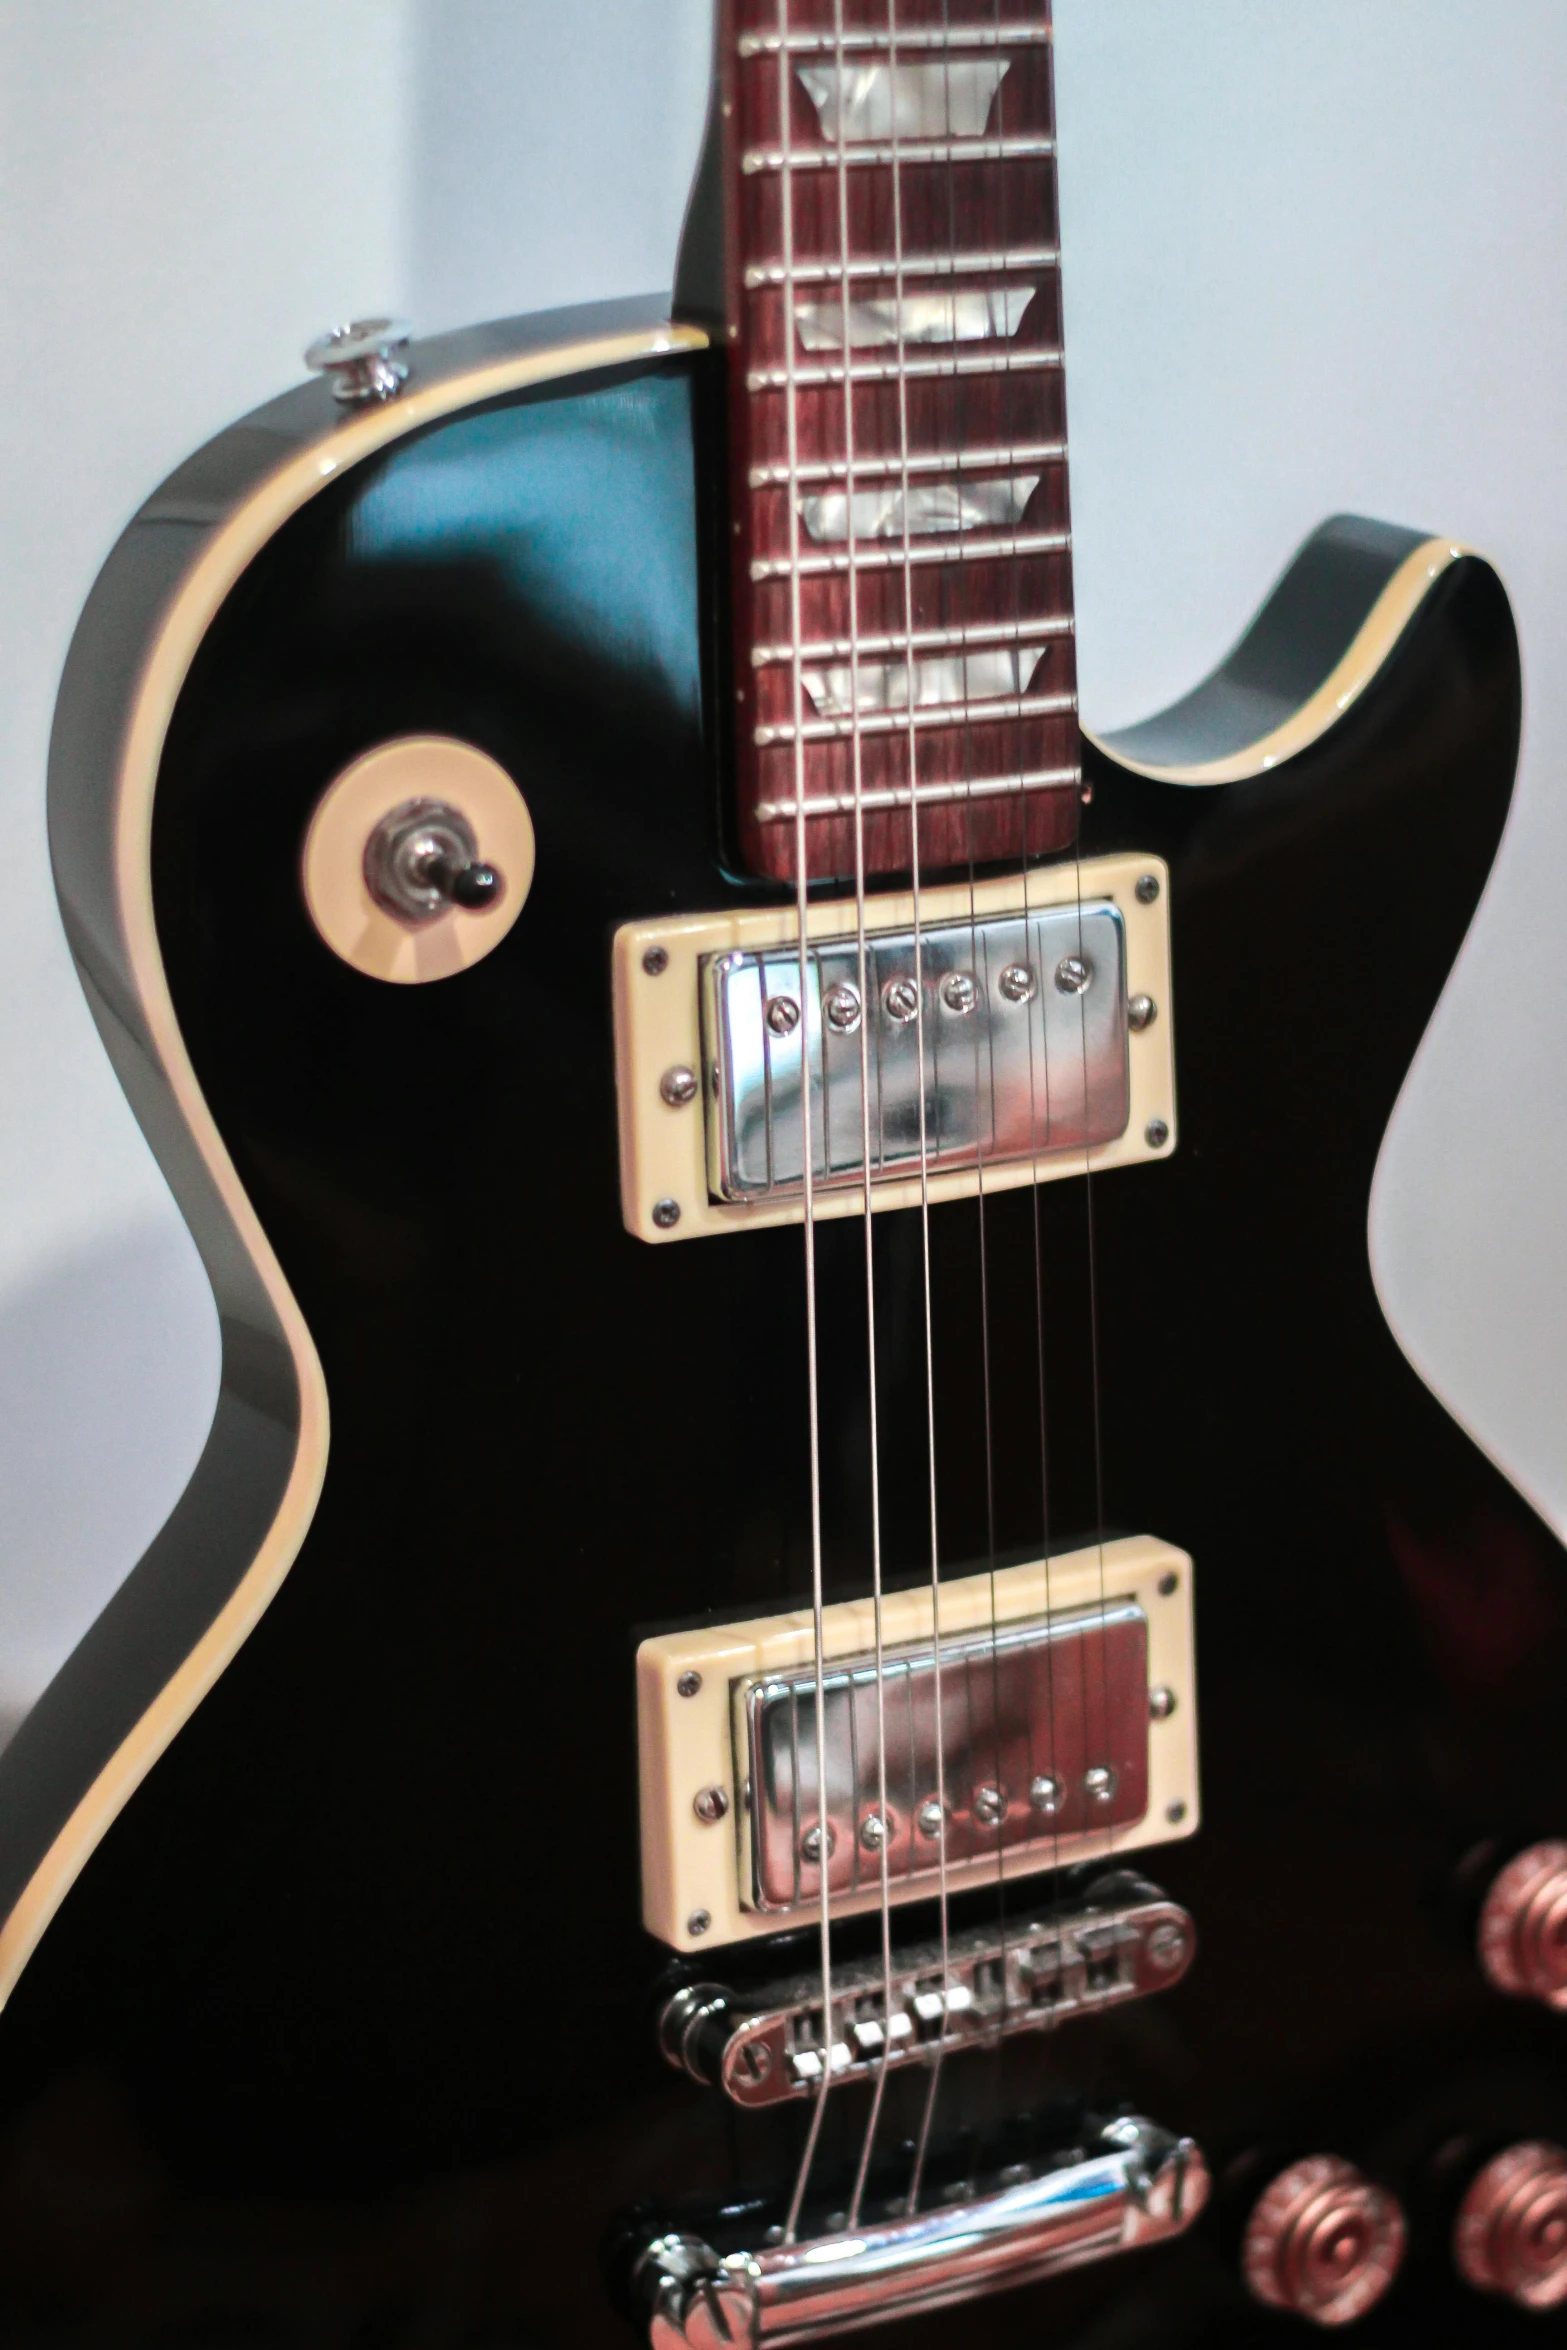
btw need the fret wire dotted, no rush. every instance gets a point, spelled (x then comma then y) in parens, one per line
(928, 640)
(929, 461)
(926, 795)
(989, 36)
(1007, 361)
(768, 159)
(814, 273)
(974, 712)
(887, 553)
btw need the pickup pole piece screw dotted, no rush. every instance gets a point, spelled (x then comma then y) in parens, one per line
(875, 1831)
(902, 1000)
(782, 1015)
(655, 961)
(678, 1087)
(1044, 1793)
(710, 1805)
(363, 360)
(698, 1922)
(990, 1806)
(1141, 1013)
(1156, 1134)
(689, 1683)
(1100, 1783)
(811, 1844)
(958, 992)
(1017, 983)
(843, 1008)
(1161, 1703)
(666, 1214)
(929, 1818)
(1147, 888)
(1073, 974)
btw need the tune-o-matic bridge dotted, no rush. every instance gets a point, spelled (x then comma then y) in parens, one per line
(1119, 1939)
(1023, 1032)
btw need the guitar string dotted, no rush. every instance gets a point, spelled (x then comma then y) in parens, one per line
(808, 1172)
(923, 2141)
(867, 1013)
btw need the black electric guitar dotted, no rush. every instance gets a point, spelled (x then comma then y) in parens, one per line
(843, 1667)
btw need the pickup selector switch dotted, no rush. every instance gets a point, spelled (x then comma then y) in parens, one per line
(1523, 1926)
(1323, 2242)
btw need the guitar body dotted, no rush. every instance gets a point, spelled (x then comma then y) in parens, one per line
(370, 1931)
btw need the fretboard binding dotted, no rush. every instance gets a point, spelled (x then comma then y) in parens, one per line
(910, 151)
(924, 640)
(924, 795)
(1004, 360)
(978, 712)
(892, 554)
(928, 461)
(914, 265)
(977, 36)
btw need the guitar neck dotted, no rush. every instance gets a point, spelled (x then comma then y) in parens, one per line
(897, 428)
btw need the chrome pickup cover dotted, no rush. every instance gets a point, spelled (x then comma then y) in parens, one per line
(1135, 2184)
(1043, 1735)
(1120, 1939)
(1024, 1034)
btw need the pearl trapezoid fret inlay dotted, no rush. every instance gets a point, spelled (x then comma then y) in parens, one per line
(898, 441)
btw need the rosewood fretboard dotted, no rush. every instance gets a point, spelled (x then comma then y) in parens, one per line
(902, 556)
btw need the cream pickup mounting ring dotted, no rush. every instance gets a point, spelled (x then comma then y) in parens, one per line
(1068, 1732)
(1029, 1019)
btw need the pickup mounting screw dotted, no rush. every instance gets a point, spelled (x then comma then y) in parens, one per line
(710, 1805)
(1017, 983)
(655, 961)
(666, 1214)
(958, 992)
(990, 1806)
(699, 1921)
(1141, 1013)
(688, 1684)
(1156, 1134)
(1161, 1703)
(1175, 1812)
(1044, 1793)
(1073, 974)
(1169, 1585)
(678, 1087)
(843, 1008)
(1100, 1783)
(782, 1015)
(1147, 889)
(901, 999)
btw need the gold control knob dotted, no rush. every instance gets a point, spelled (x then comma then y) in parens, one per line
(1323, 2242)
(1510, 2236)
(1523, 1926)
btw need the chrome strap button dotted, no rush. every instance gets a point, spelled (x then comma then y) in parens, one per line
(1323, 2242)
(1510, 2236)
(1523, 1926)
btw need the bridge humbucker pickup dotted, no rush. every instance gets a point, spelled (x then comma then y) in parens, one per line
(1120, 1939)
(1054, 1723)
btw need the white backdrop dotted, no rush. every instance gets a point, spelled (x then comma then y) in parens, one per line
(1313, 262)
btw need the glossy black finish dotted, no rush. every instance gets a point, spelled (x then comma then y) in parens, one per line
(370, 1929)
